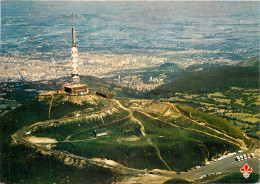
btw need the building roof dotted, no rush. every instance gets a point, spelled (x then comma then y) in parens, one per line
(75, 86)
(102, 92)
(105, 94)
(98, 131)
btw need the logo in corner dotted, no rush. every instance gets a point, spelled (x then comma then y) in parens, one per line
(246, 170)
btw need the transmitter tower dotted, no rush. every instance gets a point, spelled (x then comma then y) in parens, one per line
(74, 56)
(75, 87)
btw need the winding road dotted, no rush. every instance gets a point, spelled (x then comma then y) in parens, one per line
(226, 165)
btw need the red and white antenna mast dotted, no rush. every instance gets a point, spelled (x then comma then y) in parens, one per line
(74, 56)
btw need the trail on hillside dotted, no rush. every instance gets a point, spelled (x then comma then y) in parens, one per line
(150, 142)
(200, 144)
(108, 107)
(140, 123)
(102, 119)
(156, 118)
(142, 129)
(241, 143)
(18, 137)
(104, 124)
(52, 98)
(159, 153)
(67, 139)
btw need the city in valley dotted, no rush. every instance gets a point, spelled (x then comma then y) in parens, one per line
(93, 63)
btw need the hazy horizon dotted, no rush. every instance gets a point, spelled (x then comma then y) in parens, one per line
(39, 27)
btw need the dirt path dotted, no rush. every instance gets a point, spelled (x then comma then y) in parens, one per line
(98, 112)
(200, 144)
(226, 164)
(132, 117)
(150, 142)
(158, 153)
(141, 124)
(240, 143)
(68, 138)
(148, 115)
(142, 129)
(52, 98)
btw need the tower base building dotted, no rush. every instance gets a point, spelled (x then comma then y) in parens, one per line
(78, 88)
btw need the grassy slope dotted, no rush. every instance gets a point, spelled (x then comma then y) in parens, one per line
(211, 120)
(180, 148)
(96, 84)
(139, 154)
(19, 164)
(211, 80)
(128, 153)
(176, 180)
(214, 122)
(32, 111)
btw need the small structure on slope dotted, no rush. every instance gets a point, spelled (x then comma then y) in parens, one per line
(100, 132)
(105, 94)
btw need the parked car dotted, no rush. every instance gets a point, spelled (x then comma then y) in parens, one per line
(248, 155)
(252, 155)
(238, 158)
(245, 157)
